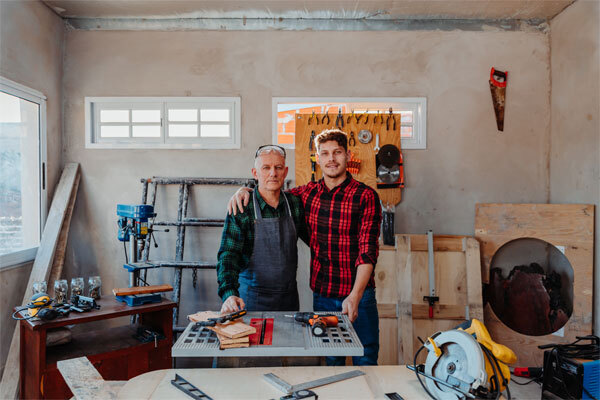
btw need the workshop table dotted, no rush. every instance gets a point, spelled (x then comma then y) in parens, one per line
(248, 383)
(290, 339)
(112, 350)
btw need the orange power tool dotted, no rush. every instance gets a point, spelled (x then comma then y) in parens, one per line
(318, 323)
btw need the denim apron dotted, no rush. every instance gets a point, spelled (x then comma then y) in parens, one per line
(269, 281)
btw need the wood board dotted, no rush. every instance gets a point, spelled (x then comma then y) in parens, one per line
(53, 237)
(142, 290)
(567, 225)
(364, 152)
(230, 329)
(402, 279)
(84, 380)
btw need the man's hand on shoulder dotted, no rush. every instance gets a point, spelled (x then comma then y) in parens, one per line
(239, 200)
(232, 304)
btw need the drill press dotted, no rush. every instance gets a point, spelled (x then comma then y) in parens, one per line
(133, 228)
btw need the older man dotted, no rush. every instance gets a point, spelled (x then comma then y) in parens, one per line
(343, 217)
(258, 259)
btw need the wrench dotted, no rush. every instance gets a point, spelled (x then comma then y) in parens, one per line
(376, 148)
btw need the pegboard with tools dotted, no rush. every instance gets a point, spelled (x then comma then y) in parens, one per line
(374, 141)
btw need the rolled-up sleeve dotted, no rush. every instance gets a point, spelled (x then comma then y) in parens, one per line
(368, 236)
(230, 258)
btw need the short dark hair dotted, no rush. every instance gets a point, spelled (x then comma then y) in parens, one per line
(332, 134)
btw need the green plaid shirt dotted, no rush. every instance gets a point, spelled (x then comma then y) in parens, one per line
(237, 241)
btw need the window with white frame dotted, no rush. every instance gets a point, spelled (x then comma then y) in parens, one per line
(412, 110)
(163, 122)
(22, 172)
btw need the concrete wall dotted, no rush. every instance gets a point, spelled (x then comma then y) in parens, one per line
(31, 53)
(467, 159)
(575, 105)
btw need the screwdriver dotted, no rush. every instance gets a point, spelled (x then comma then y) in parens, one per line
(318, 323)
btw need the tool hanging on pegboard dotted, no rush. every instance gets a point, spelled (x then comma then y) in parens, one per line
(353, 164)
(498, 80)
(390, 169)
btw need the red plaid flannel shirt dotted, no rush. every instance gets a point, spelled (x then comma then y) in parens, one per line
(343, 225)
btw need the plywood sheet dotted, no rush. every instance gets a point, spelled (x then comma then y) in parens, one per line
(364, 152)
(570, 226)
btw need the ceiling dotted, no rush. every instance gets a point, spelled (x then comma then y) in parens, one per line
(313, 9)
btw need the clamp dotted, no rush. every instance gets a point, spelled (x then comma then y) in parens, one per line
(339, 118)
(222, 319)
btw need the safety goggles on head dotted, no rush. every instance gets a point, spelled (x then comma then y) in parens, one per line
(270, 147)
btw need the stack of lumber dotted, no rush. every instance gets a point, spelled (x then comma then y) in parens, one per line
(231, 334)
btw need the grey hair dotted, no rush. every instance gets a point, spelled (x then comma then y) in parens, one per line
(267, 150)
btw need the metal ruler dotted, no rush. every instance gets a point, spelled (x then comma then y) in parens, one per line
(287, 388)
(189, 389)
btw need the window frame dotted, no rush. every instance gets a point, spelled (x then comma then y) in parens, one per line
(419, 107)
(92, 123)
(15, 258)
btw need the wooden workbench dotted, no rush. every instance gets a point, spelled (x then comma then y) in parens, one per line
(248, 383)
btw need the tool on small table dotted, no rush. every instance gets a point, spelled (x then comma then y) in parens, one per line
(313, 166)
(312, 139)
(340, 119)
(222, 319)
(285, 387)
(83, 302)
(318, 322)
(189, 389)
(38, 302)
(432, 298)
(498, 81)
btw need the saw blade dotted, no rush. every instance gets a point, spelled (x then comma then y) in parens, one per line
(389, 155)
(388, 175)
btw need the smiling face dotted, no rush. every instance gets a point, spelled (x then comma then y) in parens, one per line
(332, 159)
(270, 171)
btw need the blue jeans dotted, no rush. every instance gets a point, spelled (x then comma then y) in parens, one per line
(366, 325)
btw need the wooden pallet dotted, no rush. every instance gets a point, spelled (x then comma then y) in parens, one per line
(402, 279)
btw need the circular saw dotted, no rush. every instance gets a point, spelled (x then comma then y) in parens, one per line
(464, 363)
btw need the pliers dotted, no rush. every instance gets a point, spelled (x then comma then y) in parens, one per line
(313, 116)
(387, 121)
(351, 141)
(339, 118)
(326, 116)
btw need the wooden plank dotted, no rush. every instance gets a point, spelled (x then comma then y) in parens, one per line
(41, 269)
(364, 152)
(387, 310)
(474, 284)
(440, 243)
(404, 285)
(142, 290)
(61, 248)
(84, 380)
(570, 226)
(440, 311)
(231, 329)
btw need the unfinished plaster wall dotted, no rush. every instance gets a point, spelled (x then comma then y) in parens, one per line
(31, 44)
(575, 105)
(467, 160)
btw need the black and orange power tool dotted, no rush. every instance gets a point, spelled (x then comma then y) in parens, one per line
(317, 322)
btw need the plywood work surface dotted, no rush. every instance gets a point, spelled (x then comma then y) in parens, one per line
(364, 152)
(248, 383)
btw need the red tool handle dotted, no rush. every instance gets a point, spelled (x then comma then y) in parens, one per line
(501, 74)
(430, 311)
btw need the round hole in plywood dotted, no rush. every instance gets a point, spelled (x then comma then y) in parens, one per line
(531, 286)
